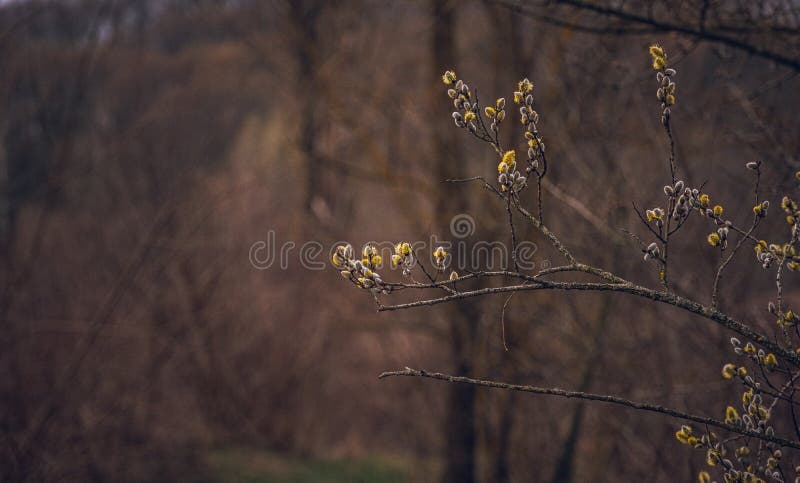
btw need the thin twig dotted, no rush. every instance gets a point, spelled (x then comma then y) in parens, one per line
(513, 233)
(718, 277)
(546, 232)
(645, 223)
(503, 321)
(623, 287)
(408, 372)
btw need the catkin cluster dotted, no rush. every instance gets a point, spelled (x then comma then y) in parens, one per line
(664, 75)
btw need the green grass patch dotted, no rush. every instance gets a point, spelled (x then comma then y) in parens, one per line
(253, 466)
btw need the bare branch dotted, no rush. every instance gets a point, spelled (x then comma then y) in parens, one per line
(654, 25)
(619, 286)
(408, 372)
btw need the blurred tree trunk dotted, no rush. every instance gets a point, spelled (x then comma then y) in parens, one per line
(463, 318)
(501, 467)
(510, 63)
(304, 22)
(460, 419)
(564, 470)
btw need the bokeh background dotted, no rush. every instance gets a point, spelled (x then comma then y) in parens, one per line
(146, 145)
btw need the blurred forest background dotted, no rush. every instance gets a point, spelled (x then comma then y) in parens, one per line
(146, 145)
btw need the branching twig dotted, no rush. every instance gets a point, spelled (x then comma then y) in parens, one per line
(725, 262)
(624, 287)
